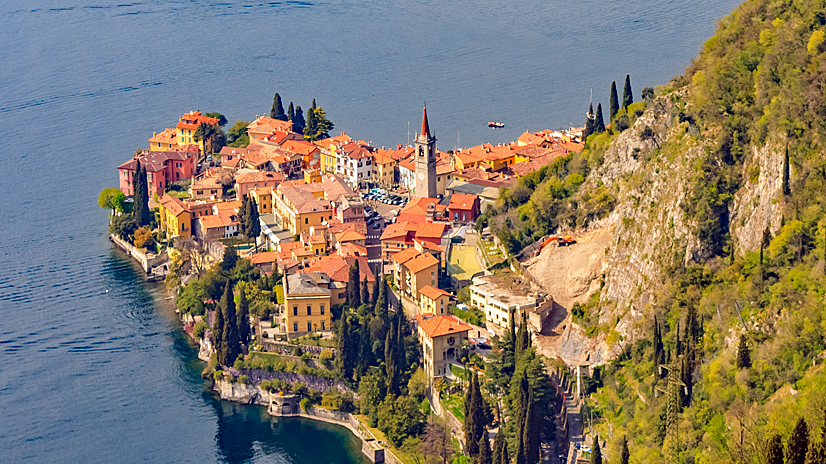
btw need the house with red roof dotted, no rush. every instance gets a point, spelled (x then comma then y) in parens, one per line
(441, 338)
(434, 300)
(162, 168)
(247, 182)
(463, 208)
(265, 126)
(188, 124)
(406, 234)
(413, 270)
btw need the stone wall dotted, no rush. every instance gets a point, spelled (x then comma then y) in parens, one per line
(146, 260)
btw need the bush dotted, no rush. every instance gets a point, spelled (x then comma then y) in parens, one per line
(304, 403)
(199, 330)
(144, 238)
(228, 377)
(326, 356)
(265, 335)
(306, 356)
(243, 379)
(218, 375)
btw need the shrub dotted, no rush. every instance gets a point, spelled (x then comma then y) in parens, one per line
(326, 356)
(243, 379)
(265, 335)
(304, 403)
(218, 375)
(228, 377)
(144, 238)
(297, 351)
(199, 330)
(300, 388)
(305, 356)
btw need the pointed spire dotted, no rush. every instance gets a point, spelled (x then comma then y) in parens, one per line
(425, 126)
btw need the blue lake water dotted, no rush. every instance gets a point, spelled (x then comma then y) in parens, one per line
(95, 368)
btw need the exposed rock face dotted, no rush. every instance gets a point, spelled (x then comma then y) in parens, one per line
(648, 227)
(757, 203)
(240, 393)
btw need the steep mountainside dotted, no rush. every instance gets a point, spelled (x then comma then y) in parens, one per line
(712, 289)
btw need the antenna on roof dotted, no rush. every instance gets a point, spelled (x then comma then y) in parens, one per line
(408, 133)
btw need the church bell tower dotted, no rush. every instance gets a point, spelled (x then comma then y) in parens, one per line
(425, 145)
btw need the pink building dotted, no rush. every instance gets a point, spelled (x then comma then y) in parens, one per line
(162, 168)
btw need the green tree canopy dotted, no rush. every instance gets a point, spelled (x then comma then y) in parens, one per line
(613, 102)
(111, 198)
(627, 94)
(222, 120)
(237, 135)
(277, 111)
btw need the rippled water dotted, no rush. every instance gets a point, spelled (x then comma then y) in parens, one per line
(94, 366)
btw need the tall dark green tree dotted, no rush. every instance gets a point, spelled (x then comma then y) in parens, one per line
(252, 223)
(521, 406)
(140, 207)
(599, 123)
(816, 453)
(230, 333)
(798, 443)
(230, 258)
(743, 353)
(380, 307)
(485, 454)
(242, 317)
(775, 451)
(298, 120)
(523, 338)
(659, 352)
(390, 367)
(344, 357)
(354, 286)
(365, 292)
(787, 190)
(589, 123)
(474, 426)
(627, 94)
(530, 432)
(613, 103)
(596, 452)
(498, 445)
(399, 348)
(277, 111)
(374, 295)
(290, 112)
(365, 352)
(242, 214)
(625, 454)
(218, 343)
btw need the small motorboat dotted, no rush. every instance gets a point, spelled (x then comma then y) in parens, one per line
(495, 124)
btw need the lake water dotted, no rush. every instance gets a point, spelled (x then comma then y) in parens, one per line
(95, 367)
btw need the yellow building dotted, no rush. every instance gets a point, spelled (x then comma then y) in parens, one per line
(441, 338)
(300, 207)
(165, 141)
(433, 300)
(306, 303)
(413, 271)
(263, 198)
(176, 219)
(188, 124)
(312, 176)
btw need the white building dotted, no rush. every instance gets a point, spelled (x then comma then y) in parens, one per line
(354, 162)
(496, 299)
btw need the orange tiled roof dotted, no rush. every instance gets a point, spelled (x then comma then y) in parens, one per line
(193, 119)
(432, 292)
(260, 176)
(264, 257)
(173, 205)
(421, 262)
(463, 200)
(437, 326)
(167, 136)
(299, 146)
(350, 236)
(431, 230)
(405, 255)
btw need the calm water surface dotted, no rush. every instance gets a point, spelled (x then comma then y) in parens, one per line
(94, 366)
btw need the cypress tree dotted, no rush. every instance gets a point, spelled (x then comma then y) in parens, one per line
(380, 307)
(589, 123)
(625, 454)
(472, 424)
(230, 258)
(485, 455)
(627, 95)
(390, 362)
(798, 443)
(136, 193)
(498, 445)
(599, 124)
(218, 336)
(365, 352)
(231, 338)
(614, 102)
(530, 433)
(775, 452)
(242, 215)
(298, 120)
(523, 338)
(596, 452)
(399, 352)
(243, 317)
(659, 354)
(374, 296)
(253, 224)
(277, 111)
(311, 126)
(290, 112)
(141, 203)
(343, 355)
(354, 286)
(505, 457)
(522, 404)
(786, 188)
(365, 292)
(743, 353)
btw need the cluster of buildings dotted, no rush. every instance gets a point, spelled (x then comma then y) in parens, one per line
(314, 220)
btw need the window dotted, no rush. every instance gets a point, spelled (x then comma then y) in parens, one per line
(306, 220)
(295, 310)
(322, 324)
(309, 310)
(341, 295)
(309, 326)
(322, 311)
(295, 326)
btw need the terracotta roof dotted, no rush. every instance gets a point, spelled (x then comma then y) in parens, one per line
(405, 255)
(193, 119)
(155, 161)
(350, 236)
(437, 326)
(213, 221)
(288, 247)
(260, 176)
(421, 262)
(167, 136)
(173, 205)
(228, 205)
(348, 249)
(432, 292)
(299, 146)
(397, 229)
(418, 205)
(267, 124)
(262, 191)
(462, 201)
(431, 230)
(402, 153)
(264, 257)
(338, 268)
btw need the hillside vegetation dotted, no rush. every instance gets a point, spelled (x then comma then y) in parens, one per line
(716, 198)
